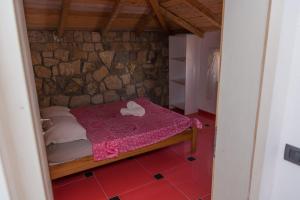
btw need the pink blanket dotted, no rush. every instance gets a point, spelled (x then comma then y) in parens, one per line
(111, 133)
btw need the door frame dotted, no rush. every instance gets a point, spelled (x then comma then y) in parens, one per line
(22, 149)
(28, 106)
(266, 96)
(268, 68)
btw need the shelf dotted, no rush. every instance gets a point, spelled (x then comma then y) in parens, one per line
(181, 59)
(179, 81)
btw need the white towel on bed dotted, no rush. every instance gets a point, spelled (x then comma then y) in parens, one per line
(133, 109)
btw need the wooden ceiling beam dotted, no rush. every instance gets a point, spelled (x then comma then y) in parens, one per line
(181, 22)
(206, 12)
(117, 8)
(63, 17)
(144, 20)
(155, 7)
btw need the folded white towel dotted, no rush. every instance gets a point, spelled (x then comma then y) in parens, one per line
(132, 104)
(133, 109)
(139, 112)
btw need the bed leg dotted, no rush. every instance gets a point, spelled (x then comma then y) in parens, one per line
(194, 139)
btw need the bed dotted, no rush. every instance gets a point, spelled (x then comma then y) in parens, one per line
(113, 137)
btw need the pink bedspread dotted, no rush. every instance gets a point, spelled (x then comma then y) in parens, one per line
(111, 133)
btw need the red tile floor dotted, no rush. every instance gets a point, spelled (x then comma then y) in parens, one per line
(177, 177)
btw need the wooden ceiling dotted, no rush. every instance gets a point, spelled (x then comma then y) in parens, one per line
(196, 16)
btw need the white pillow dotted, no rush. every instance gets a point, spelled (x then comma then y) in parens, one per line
(64, 129)
(54, 111)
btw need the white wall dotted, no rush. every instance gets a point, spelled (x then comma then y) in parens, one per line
(207, 100)
(244, 33)
(4, 192)
(281, 179)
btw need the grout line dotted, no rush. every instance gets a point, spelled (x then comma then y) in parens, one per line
(163, 171)
(140, 164)
(176, 151)
(129, 190)
(166, 179)
(173, 168)
(137, 187)
(176, 188)
(100, 185)
(204, 196)
(140, 186)
(68, 183)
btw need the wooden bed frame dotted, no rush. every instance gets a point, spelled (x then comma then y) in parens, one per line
(87, 162)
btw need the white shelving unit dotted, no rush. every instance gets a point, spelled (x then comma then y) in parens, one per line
(183, 61)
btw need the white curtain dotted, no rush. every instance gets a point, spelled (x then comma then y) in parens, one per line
(213, 73)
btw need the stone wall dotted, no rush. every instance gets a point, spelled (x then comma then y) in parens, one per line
(87, 68)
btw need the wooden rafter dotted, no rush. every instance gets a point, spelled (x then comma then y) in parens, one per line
(63, 16)
(181, 22)
(206, 12)
(113, 16)
(145, 19)
(155, 6)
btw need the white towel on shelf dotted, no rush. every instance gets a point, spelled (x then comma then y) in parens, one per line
(133, 109)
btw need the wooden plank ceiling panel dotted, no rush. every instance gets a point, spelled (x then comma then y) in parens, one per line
(168, 3)
(95, 14)
(215, 6)
(94, 23)
(43, 4)
(114, 14)
(48, 21)
(182, 9)
(199, 21)
(144, 21)
(111, 2)
(176, 19)
(65, 8)
(156, 9)
(192, 9)
(205, 11)
(84, 20)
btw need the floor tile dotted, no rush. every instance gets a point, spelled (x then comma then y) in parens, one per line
(194, 190)
(205, 142)
(161, 160)
(159, 190)
(87, 189)
(208, 197)
(122, 176)
(194, 179)
(184, 149)
(67, 179)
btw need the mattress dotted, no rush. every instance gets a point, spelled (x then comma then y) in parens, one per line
(65, 152)
(110, 133)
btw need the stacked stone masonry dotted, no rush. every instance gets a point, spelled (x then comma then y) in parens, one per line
(83, 68)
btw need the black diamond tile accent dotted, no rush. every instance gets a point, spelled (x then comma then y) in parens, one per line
(88, 174)
(158, 176)
(115, 198)
(191, 158)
